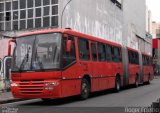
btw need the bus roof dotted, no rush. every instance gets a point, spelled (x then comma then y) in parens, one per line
(41, 32)
(146, 54)
(134, 50)
(72, 32)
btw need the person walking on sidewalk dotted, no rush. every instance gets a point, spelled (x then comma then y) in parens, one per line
(1, 82)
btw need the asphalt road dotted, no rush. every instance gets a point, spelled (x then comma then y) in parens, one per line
(105, 101)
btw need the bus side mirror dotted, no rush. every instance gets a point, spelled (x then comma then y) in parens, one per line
(68, 46)
(10, 46)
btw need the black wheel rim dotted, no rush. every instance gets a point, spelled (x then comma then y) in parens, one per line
(118, 85)
(85, 89)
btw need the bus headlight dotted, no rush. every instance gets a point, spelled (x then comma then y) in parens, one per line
(50, 85)
(14, 84)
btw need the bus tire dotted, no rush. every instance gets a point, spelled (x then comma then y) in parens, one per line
(117, 84)
(136, 81)
(85, 89)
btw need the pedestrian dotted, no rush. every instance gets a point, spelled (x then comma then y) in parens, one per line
(1, 82)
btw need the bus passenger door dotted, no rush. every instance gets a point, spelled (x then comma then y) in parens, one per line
(1, 75)
(95, 66)
(7, 74)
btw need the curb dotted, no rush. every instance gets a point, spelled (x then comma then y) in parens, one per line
(12, 100)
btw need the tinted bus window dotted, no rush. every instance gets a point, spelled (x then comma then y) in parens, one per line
(133, 57)
(94, 52)
(146, 60)
(116, 54)
(83, 46)
(136, 58)
(68, 57)
(101, 52)
(151, 61)
(108, 53)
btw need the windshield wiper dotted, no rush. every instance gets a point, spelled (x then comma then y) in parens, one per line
(25, 60)
(40, 65)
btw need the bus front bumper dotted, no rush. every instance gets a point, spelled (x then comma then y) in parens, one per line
(47, 89)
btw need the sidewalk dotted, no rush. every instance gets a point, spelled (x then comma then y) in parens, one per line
(6, 97)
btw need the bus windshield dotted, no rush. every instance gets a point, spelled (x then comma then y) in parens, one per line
(37, 52)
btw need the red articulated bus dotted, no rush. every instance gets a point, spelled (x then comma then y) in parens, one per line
(61, 63)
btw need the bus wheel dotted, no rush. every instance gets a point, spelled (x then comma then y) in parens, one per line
(136, 81)
(85, 89)
(117, 84)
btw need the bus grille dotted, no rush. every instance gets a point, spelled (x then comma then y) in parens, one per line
(31, 87)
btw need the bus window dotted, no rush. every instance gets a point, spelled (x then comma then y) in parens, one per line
(136, 58)
(83, 46)
(150, 61)
(144, 60)
(133, 57)
(68, 57)
(116, 55)
(108, 53)
(94, 52)
(47, 52)
(101, 52)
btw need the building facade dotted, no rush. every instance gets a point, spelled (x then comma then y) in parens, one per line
(26, 15)
(102, 19)
(156, 55)
(134, 16)
(148, 21)
(156, 30)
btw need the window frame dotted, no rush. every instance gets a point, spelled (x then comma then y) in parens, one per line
(94, 52)
(109, 55)
(73, 59)
(103, 52)
(133, 56)
(88, 55)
